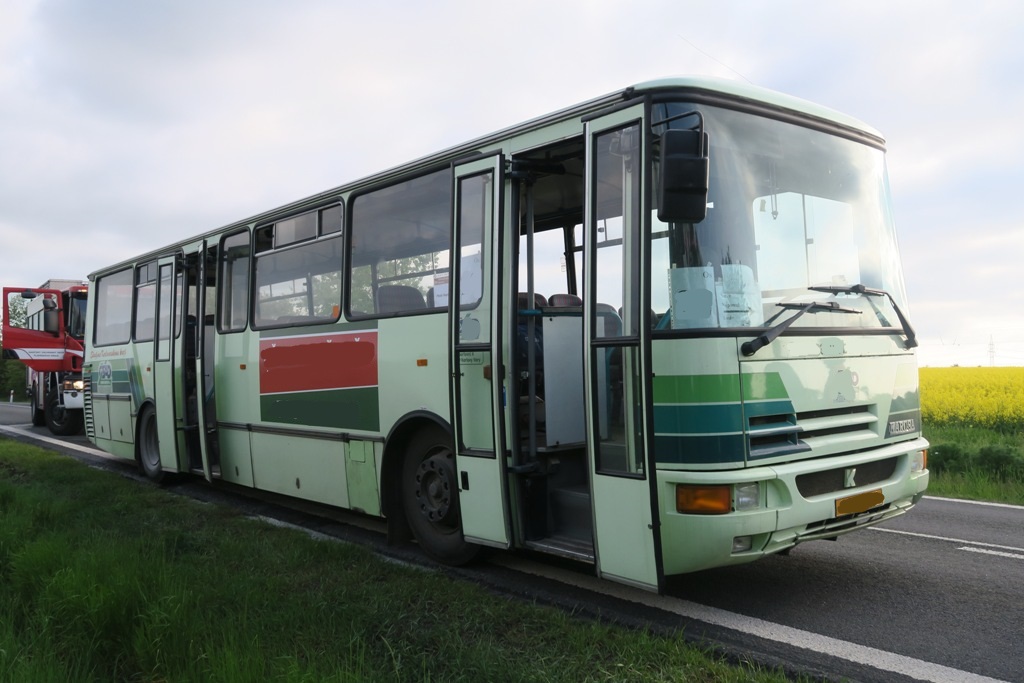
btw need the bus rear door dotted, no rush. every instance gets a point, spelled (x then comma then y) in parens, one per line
(168, 387)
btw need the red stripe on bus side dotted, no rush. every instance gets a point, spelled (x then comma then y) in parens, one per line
(316, 362)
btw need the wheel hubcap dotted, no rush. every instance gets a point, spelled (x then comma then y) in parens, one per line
(435, 479)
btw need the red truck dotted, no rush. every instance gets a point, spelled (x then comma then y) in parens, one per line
(51, 342)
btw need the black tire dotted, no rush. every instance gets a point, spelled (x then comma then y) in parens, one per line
(149, 446)
(38, 416)
(61, 421)
(430, 497)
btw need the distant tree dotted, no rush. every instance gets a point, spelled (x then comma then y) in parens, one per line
(12, 372)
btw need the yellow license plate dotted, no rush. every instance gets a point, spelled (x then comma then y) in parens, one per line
(861, 502)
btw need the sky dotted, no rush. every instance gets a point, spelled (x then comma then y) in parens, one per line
(126, 126)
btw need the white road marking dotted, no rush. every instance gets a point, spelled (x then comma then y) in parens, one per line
(991, 552)
(947, 539)
(977, 502)
(852, 652)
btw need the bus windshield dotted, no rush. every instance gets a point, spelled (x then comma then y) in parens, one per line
(789, 208)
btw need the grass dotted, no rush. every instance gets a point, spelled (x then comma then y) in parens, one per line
(103, 578)
(976, 463)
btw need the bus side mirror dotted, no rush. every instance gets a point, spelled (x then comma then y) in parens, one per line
(683, 186)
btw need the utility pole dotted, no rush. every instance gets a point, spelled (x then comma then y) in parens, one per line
(991, 350)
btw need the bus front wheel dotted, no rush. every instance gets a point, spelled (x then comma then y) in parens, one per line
(430, 496)
(149, 446)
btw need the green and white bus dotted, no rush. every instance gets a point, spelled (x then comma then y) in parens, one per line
(657, 332)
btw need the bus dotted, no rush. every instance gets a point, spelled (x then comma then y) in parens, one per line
(658, 332)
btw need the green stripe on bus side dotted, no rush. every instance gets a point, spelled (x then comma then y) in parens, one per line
(120, 381)
(135, 385)
(695, 388)
(763, 386)
(758, 386)
(338, 408)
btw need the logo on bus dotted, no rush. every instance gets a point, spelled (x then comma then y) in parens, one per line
(850, 480)
(902, 426)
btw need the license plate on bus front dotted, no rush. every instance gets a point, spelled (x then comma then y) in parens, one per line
(860, 502)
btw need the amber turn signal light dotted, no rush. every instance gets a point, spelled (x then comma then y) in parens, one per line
(699, 499)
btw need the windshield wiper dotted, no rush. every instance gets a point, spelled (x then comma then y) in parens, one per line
(749, 348)
(908, 331)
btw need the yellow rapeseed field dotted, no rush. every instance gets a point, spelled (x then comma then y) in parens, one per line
(978, 397)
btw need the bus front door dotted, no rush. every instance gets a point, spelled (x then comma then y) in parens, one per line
(474, 317)
(617, 377)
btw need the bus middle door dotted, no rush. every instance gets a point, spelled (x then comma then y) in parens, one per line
(474, 315)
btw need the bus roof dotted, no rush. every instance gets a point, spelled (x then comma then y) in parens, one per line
(753, 93)
(715, 87)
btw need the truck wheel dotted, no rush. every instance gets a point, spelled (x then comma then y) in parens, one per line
(61, 421)
(430, 495)
(38, 416)
(149, 446)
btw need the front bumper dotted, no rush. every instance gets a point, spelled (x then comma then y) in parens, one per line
(786, 516)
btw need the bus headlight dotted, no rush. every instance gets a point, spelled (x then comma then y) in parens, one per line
(74, 385)
(748, 496)
(919, 461)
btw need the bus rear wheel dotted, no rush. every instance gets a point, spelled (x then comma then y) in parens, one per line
(430, 496)
(149, 446)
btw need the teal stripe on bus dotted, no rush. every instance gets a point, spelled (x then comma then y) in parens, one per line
(716, 418)
(765, 408)
(698, 419)
(704, 450)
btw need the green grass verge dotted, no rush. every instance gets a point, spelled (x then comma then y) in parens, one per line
(976, 463)
(103, 578)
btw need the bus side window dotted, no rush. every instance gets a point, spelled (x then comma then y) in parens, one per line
(297, 271)
(234, 278)
(399, 257)
(145, 301)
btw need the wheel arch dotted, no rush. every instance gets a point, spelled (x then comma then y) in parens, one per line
(395, 446)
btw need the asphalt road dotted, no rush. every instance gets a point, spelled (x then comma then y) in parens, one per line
(937, 594)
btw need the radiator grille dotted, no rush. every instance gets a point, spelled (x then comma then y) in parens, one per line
(830, 481)
(90, 427)
(787, 433)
